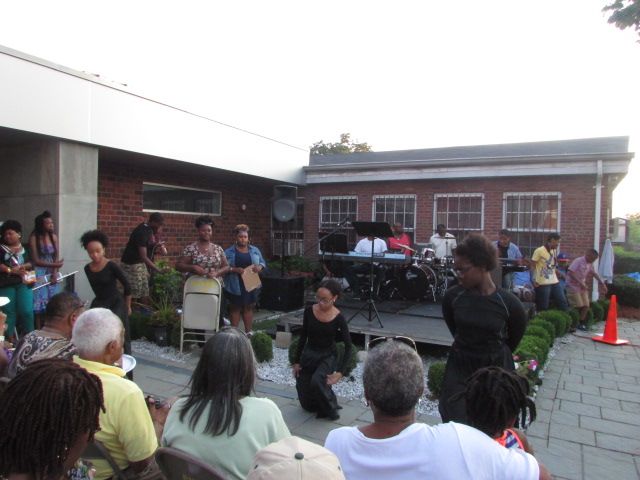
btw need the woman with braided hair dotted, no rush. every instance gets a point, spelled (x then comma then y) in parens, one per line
(49, 413)
(498, 400)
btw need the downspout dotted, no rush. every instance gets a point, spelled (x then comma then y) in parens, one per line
(596, 226)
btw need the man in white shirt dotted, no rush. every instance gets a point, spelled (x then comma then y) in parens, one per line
(364, 247)
(444, 244)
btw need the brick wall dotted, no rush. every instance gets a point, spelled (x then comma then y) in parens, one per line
(577, 204)
(120, 206)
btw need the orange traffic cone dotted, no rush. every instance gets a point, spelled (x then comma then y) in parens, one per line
(611, 327)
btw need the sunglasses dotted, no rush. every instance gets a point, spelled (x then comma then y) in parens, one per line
(323, 300)
(406, 340)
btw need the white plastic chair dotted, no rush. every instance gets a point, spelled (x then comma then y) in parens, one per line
(200, 307)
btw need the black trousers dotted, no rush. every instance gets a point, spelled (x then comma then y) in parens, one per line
(313, 392)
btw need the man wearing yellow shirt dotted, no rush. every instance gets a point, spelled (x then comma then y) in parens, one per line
(544, 262)
(128, 431)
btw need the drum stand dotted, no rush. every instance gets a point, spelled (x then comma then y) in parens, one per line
(371, 229)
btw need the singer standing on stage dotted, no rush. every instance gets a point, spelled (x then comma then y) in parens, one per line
(316, 364)
(444, 244)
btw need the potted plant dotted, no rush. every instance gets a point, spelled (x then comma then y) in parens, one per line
(163, 317)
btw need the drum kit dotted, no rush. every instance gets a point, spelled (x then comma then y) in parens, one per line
(427, 277)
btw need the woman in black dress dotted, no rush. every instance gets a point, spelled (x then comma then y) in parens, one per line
(317, 356)
(102, 274)
(487, 322)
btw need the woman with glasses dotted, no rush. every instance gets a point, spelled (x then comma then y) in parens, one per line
(486, 322)
(394, 445)
(103, 275)
(317, 354)
(242, 256)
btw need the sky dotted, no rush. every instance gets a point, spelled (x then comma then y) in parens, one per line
(397, 75)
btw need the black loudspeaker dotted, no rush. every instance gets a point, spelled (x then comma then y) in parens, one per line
(282, 293)
(284, 202)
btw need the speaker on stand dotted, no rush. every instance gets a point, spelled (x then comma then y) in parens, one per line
(284, 210)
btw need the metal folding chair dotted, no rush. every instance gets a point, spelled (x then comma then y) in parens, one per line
(177, 465)
(200, 308)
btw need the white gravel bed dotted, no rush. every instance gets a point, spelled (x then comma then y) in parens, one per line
(168, 353)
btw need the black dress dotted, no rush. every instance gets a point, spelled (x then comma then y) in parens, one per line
(318, 356)
(486, 329)
(103, 284)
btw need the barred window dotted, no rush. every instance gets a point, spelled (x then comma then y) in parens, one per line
(460, 213)
(170, 199)
(335, 209)
(396, 209)
(531, 217)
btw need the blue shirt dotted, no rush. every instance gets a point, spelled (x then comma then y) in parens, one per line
(232, 280)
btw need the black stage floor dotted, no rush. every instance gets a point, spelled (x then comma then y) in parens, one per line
(421, 321)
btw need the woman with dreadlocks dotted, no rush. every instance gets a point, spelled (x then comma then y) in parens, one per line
(497, 400)
(485, 320)
(49, 413)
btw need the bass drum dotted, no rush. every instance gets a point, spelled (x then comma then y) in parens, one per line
(417, 282)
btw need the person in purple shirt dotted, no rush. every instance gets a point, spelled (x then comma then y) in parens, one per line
(577, 290)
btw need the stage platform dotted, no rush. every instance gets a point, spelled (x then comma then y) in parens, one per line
(421, 321)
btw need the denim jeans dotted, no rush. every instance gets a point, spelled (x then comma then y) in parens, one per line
(544, 292)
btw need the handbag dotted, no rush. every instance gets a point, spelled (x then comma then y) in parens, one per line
(9, 279)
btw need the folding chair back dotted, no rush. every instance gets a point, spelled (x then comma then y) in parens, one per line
(177, 465)
(200, 307)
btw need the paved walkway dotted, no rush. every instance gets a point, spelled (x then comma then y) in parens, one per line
(588, 424)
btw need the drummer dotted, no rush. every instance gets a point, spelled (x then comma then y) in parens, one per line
(443, 242)
(400, 240)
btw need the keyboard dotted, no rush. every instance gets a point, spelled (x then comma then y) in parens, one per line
(386, 258)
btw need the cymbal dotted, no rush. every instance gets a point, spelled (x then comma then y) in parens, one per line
(406, 246)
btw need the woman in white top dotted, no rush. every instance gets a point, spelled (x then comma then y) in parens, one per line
(395, 446)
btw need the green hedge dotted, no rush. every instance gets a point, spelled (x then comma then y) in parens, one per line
(539, 331)
(589, 321)
(560, 320)
(351, 364)
(435, 377)
(547, 325)
(262, 345)
(625, 262)
(537, 345)
(139, 325)
(598, 312)
(627, 290)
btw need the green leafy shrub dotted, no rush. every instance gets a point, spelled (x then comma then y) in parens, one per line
(598, 312)
(589, 321)
(166, 287)
(627, 290)
(539, 331)
(535, 345)
(435, 377)
(625, 262)
(547, 325)
(262, 345)
(575, 317)
(560, 320)
(605, 302)
(298, 265)
(351, 364)
(140, 325)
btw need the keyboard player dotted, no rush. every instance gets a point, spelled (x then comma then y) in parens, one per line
(364, 247)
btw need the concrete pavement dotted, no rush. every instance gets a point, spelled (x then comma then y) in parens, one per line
(588, 424)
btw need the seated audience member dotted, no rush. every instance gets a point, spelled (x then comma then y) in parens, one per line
(219, 422)
(395, 446)
(497, 401)
(523, 287)
(581, 271)
(49, 413)
(54, 340)
(128, 432)
(294, 458)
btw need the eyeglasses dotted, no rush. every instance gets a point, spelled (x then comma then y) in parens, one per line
(324, 301)
(458, 270)
(406, 340)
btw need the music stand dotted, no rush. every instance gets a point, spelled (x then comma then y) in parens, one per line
(371, 229)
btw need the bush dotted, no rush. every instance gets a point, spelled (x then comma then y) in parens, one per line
(627, 290)
(561, 321)
(166, 286)
(535, 345)
(598, 312)
(351, 364)
(605, 302)
(625, 262)
(140, 325)
(539, 331)
(547, 325)
(262, 345)
(575, 317)
(436, 377)
(589, 321)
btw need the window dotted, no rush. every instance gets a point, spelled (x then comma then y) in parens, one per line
(396, 209)
(530, 217)
(333, 210)
(461, 213)
(166, 198)
(292, 232)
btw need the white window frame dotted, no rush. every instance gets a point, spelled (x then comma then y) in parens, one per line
(450, 228)
(407, 228)
(339, 216)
